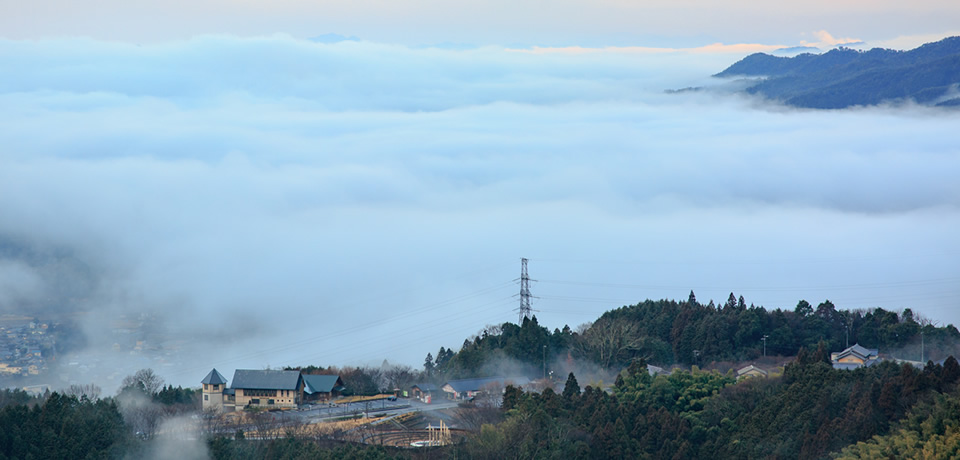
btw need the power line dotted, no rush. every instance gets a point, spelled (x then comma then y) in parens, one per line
(369, 341)
(878, 285)
(382, 320)
(939, 254)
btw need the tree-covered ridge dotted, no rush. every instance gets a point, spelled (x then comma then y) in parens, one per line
(845, 77)
(527, 346)
(668, 332)
(811, 411)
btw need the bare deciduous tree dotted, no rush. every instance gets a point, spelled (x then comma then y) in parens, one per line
(90, 390)
(146, 379)
(263, 424)
(296, 427)
(583, 328)
(485, 408)
(494, 331)
(214, 423)
(140, 413)
(399, 376)
(606, 340)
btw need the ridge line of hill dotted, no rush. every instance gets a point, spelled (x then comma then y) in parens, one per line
(845, 77)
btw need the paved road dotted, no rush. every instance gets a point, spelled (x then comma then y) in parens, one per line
(324, 412)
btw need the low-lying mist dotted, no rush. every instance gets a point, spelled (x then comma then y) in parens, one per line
(243, 203)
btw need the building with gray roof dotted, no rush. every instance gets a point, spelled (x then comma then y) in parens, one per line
(254, 379)
(854, 357)
(214, 378)
(424, 391)
(270, 389)
(322, 387)
(469, 388)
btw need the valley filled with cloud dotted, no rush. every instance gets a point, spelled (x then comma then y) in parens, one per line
(276, 198)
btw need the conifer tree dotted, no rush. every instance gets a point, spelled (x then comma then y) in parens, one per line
(571, 389)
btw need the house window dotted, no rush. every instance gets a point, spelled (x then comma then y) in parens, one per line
(270, 401)
(206, 397)
(260, 392)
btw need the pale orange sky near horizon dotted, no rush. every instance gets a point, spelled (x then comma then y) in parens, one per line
(609, 23)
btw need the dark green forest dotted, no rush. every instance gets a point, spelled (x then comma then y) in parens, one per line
(63, 427)
(668, 332)
(810, 410)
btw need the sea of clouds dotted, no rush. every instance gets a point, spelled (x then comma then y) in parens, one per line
(276, 201)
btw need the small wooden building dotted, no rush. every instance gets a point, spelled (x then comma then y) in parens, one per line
(750, 371)
(470, 388)
(424, 391)
(321, 388)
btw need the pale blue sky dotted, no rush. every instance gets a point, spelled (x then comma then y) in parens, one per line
(672, 23)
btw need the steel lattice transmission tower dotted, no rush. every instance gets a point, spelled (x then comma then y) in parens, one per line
(525, 310)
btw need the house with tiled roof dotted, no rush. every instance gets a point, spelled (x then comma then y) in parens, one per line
(750, 371)
(854, 357)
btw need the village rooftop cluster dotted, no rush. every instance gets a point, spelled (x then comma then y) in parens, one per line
(290, 389)
(22, 348)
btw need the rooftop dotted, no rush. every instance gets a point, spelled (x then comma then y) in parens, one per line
(749, 368)
(214, 378)
(266, 379)
(464, 385)
(322, 383)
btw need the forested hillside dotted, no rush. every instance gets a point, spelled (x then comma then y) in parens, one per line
(809, 410)
(668, 332)
(846, 77)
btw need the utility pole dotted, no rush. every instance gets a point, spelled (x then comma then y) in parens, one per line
(847, 328)
(924, 363)
(524, 309)
(544, 362)
(765, 345)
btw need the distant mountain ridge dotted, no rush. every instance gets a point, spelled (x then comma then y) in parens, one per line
(845, 77)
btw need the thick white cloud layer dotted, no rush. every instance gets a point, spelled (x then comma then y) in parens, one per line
(346, 203)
